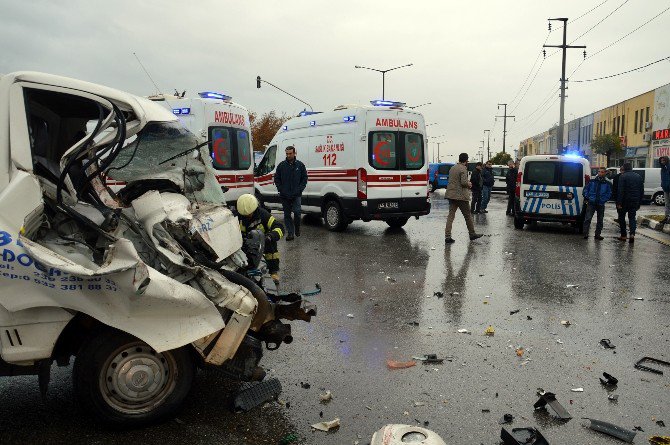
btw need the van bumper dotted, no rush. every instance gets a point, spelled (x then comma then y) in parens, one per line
(407, 207)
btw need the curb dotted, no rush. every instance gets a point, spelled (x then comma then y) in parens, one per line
(653, 224)
(643, 223)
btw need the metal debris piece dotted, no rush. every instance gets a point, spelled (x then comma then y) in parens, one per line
(523, 436)
(569, 286)
(549, 398)
(393, 364)
(609, 380)
(326, 397)
(612, 430)
(507, 418)
(253, 394)
(490, 331)
(327, 426)
(514, 311)
(640, 364)
(607, 343)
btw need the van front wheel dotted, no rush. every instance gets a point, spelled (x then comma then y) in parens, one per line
(333, 216)
(125, 383)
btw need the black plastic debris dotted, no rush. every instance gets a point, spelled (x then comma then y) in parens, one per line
(612, 430)
(638, 428)
(609, 380)
(528, 317)
(253, 394)
(305, 385)
(613, 397)
(413, 323)
(607, 343)
(507, 418)
(549, 398)
(438, 294)
(642, 364)
(660, 423)
(515, 311)
(523, 436)
(431, 359)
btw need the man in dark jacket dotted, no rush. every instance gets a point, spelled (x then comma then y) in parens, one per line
(630, 190)
(665, 185)
(477, 184)
(489, 180)
(596, 194)
(510, 181)
(291, 180)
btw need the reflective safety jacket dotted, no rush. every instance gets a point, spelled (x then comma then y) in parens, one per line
(273, 230)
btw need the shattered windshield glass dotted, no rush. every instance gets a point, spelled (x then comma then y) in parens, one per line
(156, 142)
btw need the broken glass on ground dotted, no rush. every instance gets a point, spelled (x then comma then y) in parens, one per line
(612, 430)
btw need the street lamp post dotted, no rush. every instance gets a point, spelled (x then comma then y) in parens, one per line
(438, 145)
(383, 73)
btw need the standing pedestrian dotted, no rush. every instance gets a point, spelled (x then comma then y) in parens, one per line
(291, 180)
(630, 190)
(596, 194)
(458, 194)
(477, 182)
(488, 180)
(510, 186)
(665, 185)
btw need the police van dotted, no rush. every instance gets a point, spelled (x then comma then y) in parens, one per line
(214, 116)
(363, 162)
(549, 188)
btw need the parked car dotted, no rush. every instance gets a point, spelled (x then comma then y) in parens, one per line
(499, 173)
(438, 175)
(653, 193)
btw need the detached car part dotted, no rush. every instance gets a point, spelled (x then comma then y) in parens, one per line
(612, 430)
(405, 434)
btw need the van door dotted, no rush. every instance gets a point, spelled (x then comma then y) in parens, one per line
(383, 181)
(413, 178)
(264, 178)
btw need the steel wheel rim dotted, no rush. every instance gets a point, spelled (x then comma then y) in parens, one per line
(136, 379)
(332, 216)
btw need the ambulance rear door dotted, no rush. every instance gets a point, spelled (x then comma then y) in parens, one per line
(383, 163)
(413, 165)
(231, 150)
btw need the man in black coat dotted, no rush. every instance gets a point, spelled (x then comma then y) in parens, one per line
(477, 183)
(630, 191)
(510, 181)
(291, 180)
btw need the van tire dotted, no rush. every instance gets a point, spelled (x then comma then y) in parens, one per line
(333, 217)
(659, 199)
(518, 223)
(396, 223)
(97, 376)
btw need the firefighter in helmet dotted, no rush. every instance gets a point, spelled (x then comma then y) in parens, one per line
(253, 217)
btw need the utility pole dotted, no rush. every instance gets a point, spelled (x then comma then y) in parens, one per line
(564, 46)
(481, 152)
(488, 144)
(504, 116)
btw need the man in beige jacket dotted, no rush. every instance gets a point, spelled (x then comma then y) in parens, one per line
(458, 194)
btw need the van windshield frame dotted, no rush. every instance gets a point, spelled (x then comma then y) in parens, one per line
(552, 173)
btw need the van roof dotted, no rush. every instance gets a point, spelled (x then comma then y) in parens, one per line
(559, 158)
(170, 98)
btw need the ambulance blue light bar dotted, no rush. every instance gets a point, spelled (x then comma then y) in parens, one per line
(312, 123)
(349, 118)
(213, 95)
(387, 103)
(307, 113)
(285, 127)
(181, 111)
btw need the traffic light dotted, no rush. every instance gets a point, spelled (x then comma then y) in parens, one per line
(258, 81)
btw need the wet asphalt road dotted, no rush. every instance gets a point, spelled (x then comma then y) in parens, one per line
(462, 399)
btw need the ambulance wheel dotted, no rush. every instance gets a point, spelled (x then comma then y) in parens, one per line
(125, 383)
(334, 217)
(518, 223)
(396, 223)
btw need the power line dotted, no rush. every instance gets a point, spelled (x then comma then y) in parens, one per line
(625, 72)
(602, 20)
(589, 11)
(542, 104)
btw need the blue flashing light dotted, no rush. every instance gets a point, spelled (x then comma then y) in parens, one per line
(213, 95)
(176, 111)
(312, 123)
(308, 113)
(572, 154)
(285, 127)
(185, 111)
(349, 118)
(387, 103)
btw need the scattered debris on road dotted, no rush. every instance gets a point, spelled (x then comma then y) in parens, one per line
(515, 311)
(327, 426)
(577, 390)
(326, 397)
(521, 436)
(609, 380)
(393, 364)
(490, 332)
(506, 418)
(253, 394)
(659, 440)
(565, 323)
(401, 434)
(607, 343)
(612, 430)
(641, 366)
(438, 294)
(549, 398)
(613, 397)
(463, 331)
(429, 359)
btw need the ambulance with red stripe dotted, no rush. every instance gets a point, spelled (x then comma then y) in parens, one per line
(214, 116)
(363, 163)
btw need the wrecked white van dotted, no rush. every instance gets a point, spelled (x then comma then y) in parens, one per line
(140, 286)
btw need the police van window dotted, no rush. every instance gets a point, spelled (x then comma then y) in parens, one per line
(413, 151)
(444, 169)
(243, 150)
(540, 173)
(382, 152)
(220, 149)
(268, 162)
(572, 174)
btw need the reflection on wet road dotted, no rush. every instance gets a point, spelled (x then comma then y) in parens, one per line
(386, 279)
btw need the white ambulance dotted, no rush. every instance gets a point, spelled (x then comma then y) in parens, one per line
(214, 116)
(363, 162)
(549, 188)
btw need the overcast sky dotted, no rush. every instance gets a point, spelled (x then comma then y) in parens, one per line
(467, 55)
